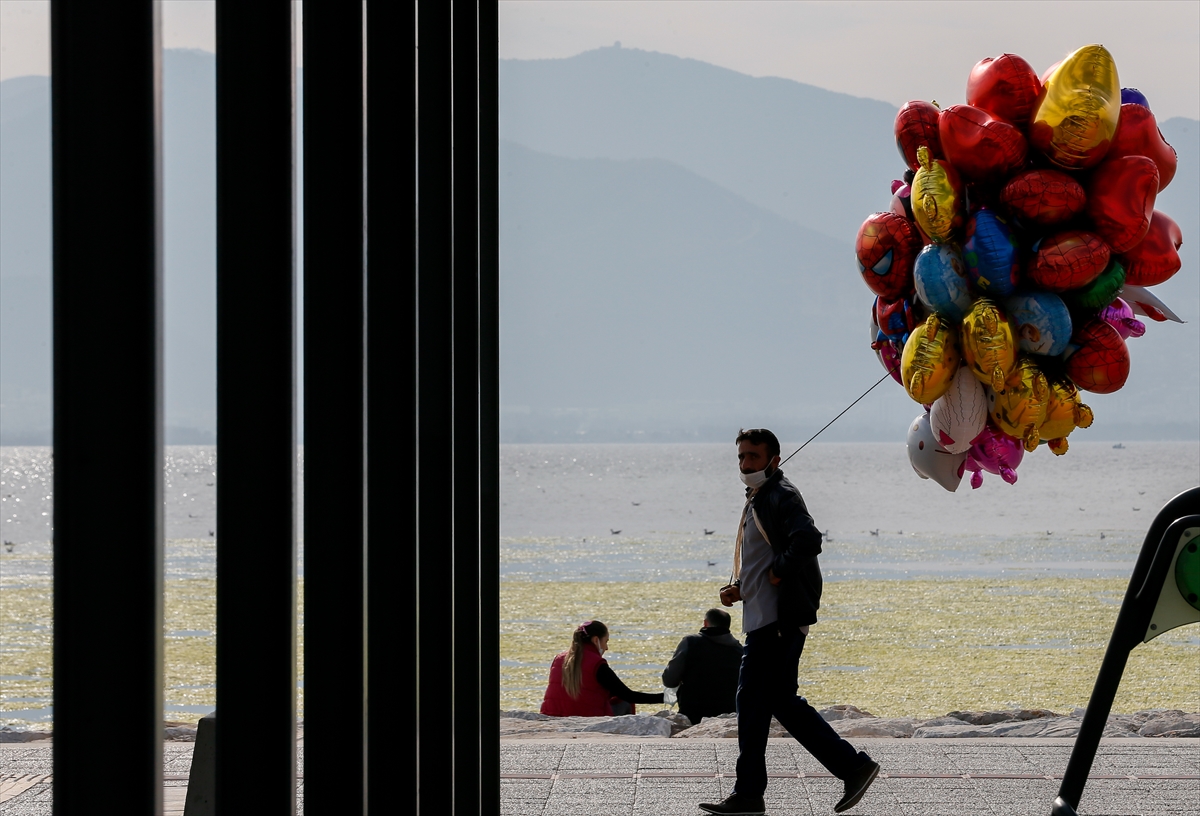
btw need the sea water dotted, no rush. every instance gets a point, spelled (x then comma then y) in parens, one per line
(643, 534)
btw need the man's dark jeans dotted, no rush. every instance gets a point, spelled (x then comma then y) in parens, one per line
(767, 686)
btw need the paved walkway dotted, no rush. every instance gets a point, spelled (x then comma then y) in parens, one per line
(665, 777)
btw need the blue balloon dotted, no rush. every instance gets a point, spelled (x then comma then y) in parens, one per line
(990, 254)
(1135, 96)
(941, 281)
(1042, 320)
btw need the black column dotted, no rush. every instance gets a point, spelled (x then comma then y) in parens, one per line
(256, 437)
(391, 399)
(335, 669)
(437, 503)
(108, 455)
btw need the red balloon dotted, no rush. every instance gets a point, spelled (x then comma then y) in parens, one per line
(1006, 86)
(917, 126)
(1068, 261)
(980, 146)
(1156, 258)
(1101, 361)
(1138, 135)
(1121, 200)
(1043, 196)
(885, 249)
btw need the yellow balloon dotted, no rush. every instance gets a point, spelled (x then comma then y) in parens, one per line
(1064, 413)
(1075, 116)
(937, 198)
(989, 346)
(1020, 406)
(930, 359)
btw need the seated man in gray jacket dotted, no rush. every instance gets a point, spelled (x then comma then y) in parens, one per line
(705, 668)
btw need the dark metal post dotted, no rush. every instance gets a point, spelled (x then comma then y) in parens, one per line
(256, 386)
(335, 668)
(436, 501)
(391, 398)
(108, 453)
(1130, 628)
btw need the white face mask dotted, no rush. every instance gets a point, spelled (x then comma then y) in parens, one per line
(756, 479)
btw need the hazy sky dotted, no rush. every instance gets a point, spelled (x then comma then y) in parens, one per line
(893, 51)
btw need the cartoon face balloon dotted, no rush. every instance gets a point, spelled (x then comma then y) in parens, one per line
(959, 415)
(1043, 196)
(1156, 258)
(1019, 407)
(989, 343)
(1138, 135)
(1100, 361)
(1067, 260)
(941, 281)
(1005, 86)
(1064, 413)
(1121, 200)
(917, 126)
(888, 354)
(980, 146)
(1042, 321)
(895, 321)
(938, 202)
(885, 250)
(1075, 117)
(929, 459)
(931, 358)
(990, 253)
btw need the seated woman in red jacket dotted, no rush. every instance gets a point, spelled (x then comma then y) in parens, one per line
(582, 684)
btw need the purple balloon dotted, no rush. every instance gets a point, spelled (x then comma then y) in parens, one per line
(1119, 315)
(1135, 96)
(996, 452)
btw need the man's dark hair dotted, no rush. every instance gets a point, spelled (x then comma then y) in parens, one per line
(717, 618)
(759, 436)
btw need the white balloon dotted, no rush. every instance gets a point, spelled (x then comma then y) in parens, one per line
(929, 459)
(958, 416)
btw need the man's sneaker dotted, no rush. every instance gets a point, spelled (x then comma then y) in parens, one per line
(856, 785)
(737, 805)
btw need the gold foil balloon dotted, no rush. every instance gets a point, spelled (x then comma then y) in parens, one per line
(989, 343)
(937, 197)
(1020, 405)
(930, 360)
(1075, 117)
(1064, 413)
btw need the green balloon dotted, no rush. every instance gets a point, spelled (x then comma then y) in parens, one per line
(1100, 292)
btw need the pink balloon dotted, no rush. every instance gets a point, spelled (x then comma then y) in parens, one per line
(996, 452)
(1119, 315)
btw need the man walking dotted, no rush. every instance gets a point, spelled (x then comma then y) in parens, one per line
(778, 581)
(705, 669)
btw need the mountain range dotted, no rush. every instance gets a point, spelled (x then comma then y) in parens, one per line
(676, 245)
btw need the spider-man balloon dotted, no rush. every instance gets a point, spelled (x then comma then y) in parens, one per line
(885, 249)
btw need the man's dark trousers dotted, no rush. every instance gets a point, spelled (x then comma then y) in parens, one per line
(767, 686)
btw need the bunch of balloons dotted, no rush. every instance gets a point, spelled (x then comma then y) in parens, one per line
(1014, 256)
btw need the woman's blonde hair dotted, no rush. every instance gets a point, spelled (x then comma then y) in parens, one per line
(572, 670)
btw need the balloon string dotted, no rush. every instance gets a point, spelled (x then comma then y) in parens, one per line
(839, 416)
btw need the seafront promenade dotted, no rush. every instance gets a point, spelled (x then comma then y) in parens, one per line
(608, 775)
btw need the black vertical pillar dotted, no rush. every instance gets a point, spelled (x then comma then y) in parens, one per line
(391, 398)
(335, 668)
(437, 503)
(489, 406)
(256, 439)
(108, 456)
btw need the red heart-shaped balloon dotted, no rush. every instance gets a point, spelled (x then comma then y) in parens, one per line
(1068, 261)
(1006, 86)
(1156, 258)
(1043, 196)
(1101, 361)
(980, 146)
(1138, 135)
(917, 126)
(885, 248)
(1121, 200)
